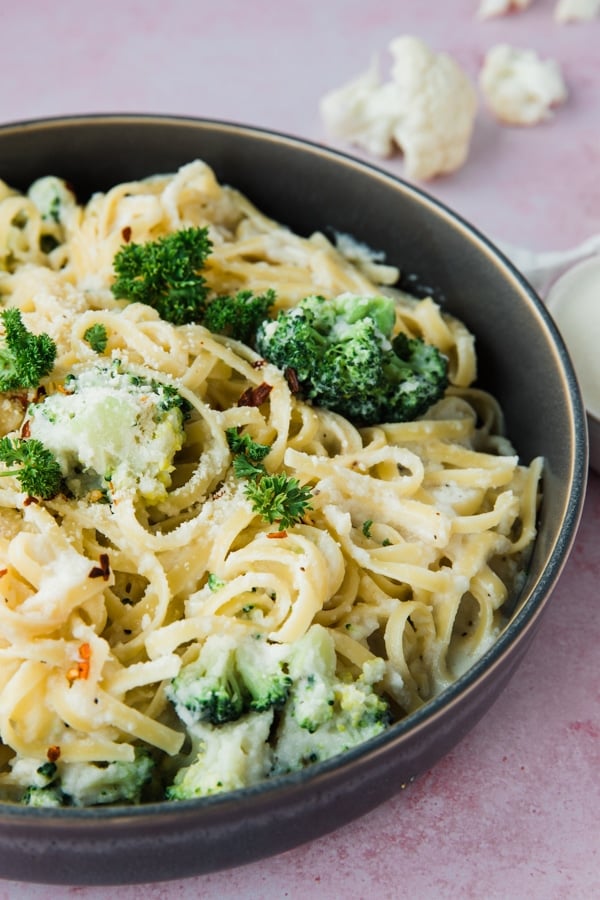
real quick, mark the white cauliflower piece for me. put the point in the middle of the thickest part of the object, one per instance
(353, 113)
(576, 10)
(519, 87)
(113, 431)
(427, 109)
(488, 9)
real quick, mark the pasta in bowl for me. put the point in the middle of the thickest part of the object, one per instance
(235, 567)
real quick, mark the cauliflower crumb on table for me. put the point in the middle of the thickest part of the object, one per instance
(576, 10)
(521, 88)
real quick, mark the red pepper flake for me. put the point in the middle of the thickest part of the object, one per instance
(126, 234)
(103, 570)
(26, 429)
(255, 396)
(277, 534)
(259, 363)
(3, 572)
(81, 669)
(291, 376)
(53, 753)
(29, 500)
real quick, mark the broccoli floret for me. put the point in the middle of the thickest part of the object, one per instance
(94, 784)
(238, 316)
(112, 431)
(45, 790)
(262, 667)
(325, 714)
(279, 708)
(49, 796)
(210, 688)
(24, 357)
(89, 783)
(344, 358)
(164, 274)
(312, 668)
(225, 757)
(230, 678)
(419, 372)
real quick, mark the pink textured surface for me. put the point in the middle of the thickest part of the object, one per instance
(514, 810)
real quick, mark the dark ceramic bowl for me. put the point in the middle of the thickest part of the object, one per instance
(308, 187)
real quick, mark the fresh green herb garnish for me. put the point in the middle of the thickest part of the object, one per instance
(366, 529)
(24, 357)
(165, 274)
(97, 337)
(279, 498)
(171, 398)
(37, 469)
(243, 444)
(214, 582)
(245, 468)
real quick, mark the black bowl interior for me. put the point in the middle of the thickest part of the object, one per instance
(522, 361)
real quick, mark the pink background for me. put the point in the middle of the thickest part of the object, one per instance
(513, 811)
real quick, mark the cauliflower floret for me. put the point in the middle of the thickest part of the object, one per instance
(352, 112)
(576, 10)
(427, 109)
(519, 87)
(490, 8)
(112, 431)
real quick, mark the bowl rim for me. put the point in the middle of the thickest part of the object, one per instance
(521, 623)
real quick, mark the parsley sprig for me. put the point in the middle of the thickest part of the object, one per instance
(97, 337)
(277, 498)
(165, 274)
(37, 469)
(24, 357)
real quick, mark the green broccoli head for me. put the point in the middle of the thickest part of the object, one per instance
(94, 784)
(226, 757)
(49, 796)
(326, 714)
(90, 783)
(238, 316)
(263, 668)
(344, 359)
(210, 688)
(312, 667)
(230, 678)
(253, 709)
